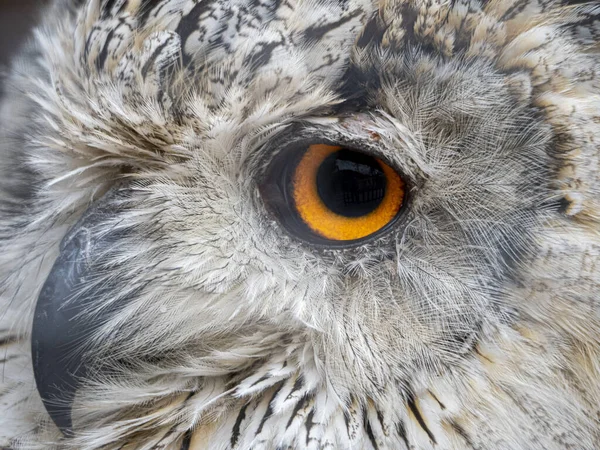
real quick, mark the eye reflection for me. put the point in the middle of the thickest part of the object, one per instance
(351, 184)
(335, 193)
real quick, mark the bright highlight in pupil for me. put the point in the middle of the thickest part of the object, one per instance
(343, 194)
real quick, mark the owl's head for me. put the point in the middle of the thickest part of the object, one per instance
(312, 224)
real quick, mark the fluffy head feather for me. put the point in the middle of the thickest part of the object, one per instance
(472, 323)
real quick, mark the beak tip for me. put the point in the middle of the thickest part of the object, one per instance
(59, 328)
(56, 333)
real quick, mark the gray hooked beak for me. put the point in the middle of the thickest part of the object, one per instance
(59, 329)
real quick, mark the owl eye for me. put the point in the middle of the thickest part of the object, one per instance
(329, 193)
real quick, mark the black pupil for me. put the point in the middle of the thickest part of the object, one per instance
(350, 183)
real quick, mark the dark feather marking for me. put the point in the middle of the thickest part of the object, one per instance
(437, 400)
(563, 205)
(104, 52)
(462, 433)
(262, 55)
(575, 2)
(409, 18)
(168, 434)
(123, 6)
(297, 408)
(106, 9)
(463, 37)
(235, 433)
(7, 340)
(297, 386)
(308, 423)
(347, 421)
(413, 407)
(316, 33)
(148, 64)
(269, 411)
(401, 430)
(144, 11)
(371, 435)
(372, 33)
(514, 10)
(382, 422)
(482, 355)
(261, 379)
(88, 42)
(189, 24)
(355, 86)
(587, 22)
(187, 440)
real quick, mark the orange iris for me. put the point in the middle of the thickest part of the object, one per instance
(329, 224)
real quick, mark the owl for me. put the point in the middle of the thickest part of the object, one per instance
(302, 224)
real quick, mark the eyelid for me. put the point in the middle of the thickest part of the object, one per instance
(291, 146)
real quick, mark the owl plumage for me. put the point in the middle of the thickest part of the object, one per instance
(146, 127)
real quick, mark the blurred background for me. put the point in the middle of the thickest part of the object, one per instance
(16, 20)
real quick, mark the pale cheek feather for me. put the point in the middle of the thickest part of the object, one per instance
(474, 325)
